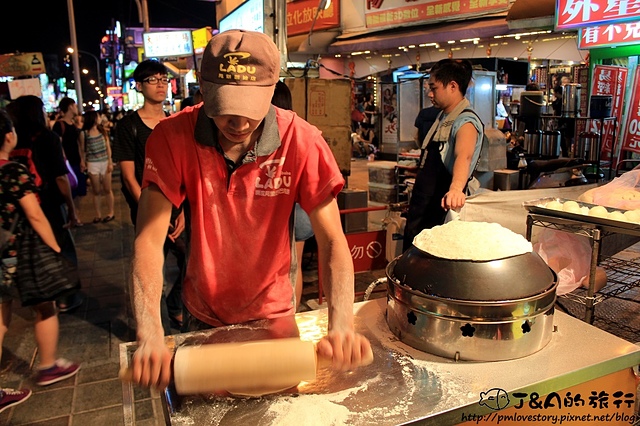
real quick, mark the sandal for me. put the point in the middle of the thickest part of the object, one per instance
(108, 218)
(97, 220)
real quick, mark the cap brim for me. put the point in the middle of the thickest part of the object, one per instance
(229, 99)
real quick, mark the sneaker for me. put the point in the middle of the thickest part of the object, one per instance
(61, 370)
(11, 397)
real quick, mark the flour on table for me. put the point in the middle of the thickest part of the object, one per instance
(476, 241)
(308, 410)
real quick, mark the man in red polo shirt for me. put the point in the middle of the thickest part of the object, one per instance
(242, 164)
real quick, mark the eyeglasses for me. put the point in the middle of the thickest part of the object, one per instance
(156, 80)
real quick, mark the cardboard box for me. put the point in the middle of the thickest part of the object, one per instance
(326, 104)
(339, 140)
(322, 102)
(382, 172)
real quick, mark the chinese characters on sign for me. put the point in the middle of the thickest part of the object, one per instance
(394, 12)
(300, 15)
(583, 13)
(609, 35)
(609, 80)
(367, 250)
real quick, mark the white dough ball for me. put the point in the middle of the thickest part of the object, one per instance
(571, 207)
(616, 215)
(554, 205)
(598, 211)
(632, 216)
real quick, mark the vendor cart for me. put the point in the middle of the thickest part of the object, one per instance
(581, 368)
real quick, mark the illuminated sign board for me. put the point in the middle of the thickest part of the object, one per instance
(392, 13)
(585, 13)
(302, 13)
(248, 16)
(21, 64)
(609, 35)
(167, 44)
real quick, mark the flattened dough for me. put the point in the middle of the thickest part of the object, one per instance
(477, 241)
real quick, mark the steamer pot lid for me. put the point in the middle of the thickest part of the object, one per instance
(502, 279)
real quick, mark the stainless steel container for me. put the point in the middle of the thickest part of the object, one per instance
(454, 309)
(587, 146)
(532, 140)
(551, 143)
(571, 99)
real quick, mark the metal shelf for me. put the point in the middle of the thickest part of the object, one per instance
(623, 276)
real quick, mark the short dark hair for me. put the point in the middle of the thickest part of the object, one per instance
(282, 96)
(147, 68)
(65, 103)
(27, 113)
(459, 70)
(532, 87)
(6, 124)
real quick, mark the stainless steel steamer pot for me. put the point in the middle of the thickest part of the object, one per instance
(474, 311)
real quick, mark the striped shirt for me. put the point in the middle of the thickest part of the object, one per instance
(95, 148)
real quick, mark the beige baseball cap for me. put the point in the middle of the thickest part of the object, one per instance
(238, 74)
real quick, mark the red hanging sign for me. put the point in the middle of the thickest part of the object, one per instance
(612, 81)
(631, 136)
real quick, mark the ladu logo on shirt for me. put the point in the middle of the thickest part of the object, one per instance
(235, 70)
(273, 180)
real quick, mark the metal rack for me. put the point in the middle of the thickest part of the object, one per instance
(602, 120)
(622, 275)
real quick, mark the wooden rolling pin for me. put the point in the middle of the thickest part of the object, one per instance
(262, 366)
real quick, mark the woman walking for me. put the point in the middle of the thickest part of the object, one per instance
(97, 149)
(18, 202)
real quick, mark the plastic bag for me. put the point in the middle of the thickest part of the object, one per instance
(622, 192)
(569, 256)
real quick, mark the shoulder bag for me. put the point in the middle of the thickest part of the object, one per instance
(71, 175)
(42, 274)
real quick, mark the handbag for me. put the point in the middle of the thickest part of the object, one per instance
(42, 274)
(71, 175)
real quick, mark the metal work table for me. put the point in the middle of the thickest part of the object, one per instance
(403, 385)
(596, 233)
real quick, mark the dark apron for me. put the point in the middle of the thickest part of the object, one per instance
(432, 183)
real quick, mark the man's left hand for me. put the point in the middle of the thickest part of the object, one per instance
(453, 200)
(178, 227)
(346, 350)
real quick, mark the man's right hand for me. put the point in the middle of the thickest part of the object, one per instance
(151, 364)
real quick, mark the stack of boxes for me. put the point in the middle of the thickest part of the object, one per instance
(383, 185)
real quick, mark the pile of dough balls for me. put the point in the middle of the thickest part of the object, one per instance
(571, 206)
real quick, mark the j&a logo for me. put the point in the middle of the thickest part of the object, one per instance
(235, 70)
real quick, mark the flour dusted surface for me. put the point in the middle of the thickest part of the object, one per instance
(477, 241)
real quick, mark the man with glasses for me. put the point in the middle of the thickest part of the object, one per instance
(152, 82)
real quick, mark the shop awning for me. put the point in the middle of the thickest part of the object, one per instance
(440, 33)
(531, 14)
(316, 44)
